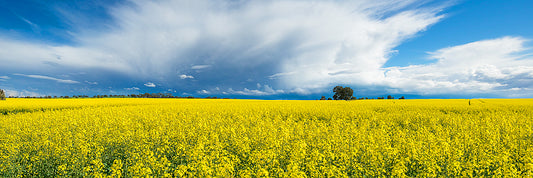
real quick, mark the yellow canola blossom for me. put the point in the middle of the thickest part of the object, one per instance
(253, 138)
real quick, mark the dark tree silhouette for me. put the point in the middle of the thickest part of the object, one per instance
(323, 98)
(342, 93)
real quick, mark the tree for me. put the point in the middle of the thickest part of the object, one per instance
(323, 98)
(342, 93)
(2, 95)
(390, 97)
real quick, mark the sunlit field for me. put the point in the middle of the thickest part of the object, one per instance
(243, 138)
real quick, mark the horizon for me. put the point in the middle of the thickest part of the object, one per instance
(289, 50)
(241, 97)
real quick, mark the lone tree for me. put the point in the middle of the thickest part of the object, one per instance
(2, 95)
(342, 93)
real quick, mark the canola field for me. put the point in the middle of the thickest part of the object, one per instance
(253, 138)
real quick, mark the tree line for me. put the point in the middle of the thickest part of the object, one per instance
(346, 93)
(341, 93)
(145, 95)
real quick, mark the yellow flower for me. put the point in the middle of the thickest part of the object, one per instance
(136, 137)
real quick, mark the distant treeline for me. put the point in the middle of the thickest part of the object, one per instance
(145, 95)
(346, 93)
(367, 98)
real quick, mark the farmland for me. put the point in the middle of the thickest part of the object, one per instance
(257, 138)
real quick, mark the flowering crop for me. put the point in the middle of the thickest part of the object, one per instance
(254, 138)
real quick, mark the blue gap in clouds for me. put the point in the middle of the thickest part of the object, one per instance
(52, 21)
(16, 16)
(466, 22)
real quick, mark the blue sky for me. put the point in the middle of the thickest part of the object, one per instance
(267, 49)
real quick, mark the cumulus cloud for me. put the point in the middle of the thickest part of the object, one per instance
(49, 78)
(203, 92)
(488, 66)
(183, 76)
(150, 84)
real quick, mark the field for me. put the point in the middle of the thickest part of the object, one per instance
(255, 138)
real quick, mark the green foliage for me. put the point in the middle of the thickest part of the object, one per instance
(2, 95)
(342, 93)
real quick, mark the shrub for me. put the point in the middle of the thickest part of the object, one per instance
(2, 95)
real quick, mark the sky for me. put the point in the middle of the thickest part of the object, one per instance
(278, 49)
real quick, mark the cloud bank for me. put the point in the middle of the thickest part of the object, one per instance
(490, 66)
(289, 46)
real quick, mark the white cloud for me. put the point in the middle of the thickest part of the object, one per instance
(91, 83)
(49, 78)
(203, 92)
(197, 67)
(150, 84)
(132, 88)
(308, 39)
(183, 76)
(46, 58)
(21, 93)
(4, 78)
(261, 91)
(488, 66)
(355, 56)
